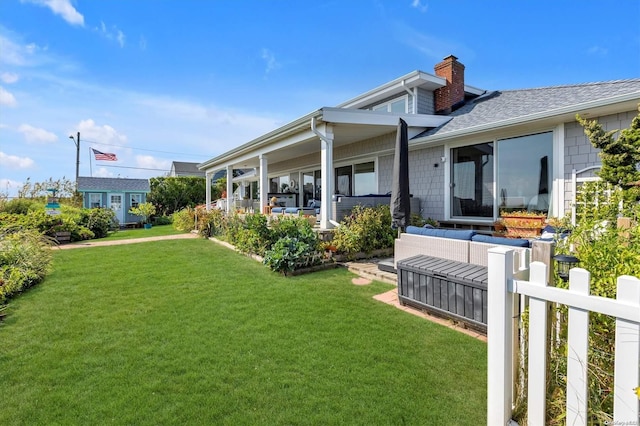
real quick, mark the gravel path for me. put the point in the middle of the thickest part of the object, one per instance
(92, 243)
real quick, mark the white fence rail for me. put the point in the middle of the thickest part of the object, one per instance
(503, 293)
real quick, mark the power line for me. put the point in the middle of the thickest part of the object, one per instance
(143, 149)
(137, 168)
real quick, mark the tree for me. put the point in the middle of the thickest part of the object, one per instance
(145, 210)
(171, 194)
(620, 157)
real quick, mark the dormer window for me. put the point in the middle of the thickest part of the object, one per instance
(396, 106)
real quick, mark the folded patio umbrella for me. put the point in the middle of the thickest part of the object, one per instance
(400, 201)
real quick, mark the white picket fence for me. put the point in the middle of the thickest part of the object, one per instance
(505, 287)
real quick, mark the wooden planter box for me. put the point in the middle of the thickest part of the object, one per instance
(523, 226)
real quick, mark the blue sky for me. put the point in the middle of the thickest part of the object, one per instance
(156, 81)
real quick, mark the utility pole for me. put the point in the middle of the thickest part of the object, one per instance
(77, 142)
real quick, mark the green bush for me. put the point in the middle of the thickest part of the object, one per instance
(295, 245)
(254, 237)
(162, 220)
(607, 253)
(100, 221)
(184, 220)
(25, 258)
(21, 206)
(364, 230)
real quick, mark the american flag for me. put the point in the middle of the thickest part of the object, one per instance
(105, 156)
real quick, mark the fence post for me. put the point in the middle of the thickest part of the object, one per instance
(499, 336)
(538, 332)
(578, 345)
(627, 374)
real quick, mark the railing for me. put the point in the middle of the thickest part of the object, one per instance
(505, 290)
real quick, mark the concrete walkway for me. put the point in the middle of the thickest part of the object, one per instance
(98, 243)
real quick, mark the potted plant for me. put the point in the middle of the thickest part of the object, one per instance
(523, 223)
(145, 210)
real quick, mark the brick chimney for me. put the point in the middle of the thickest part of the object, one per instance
(453, 93)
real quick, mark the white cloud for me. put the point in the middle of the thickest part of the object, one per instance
(105, 134)
(150, 162)
(34, 134)
(598, 50)
(112, 33)
(64, 8)
(417, 4)
(9, 77)
(6, 98)
(8, 186)
(435, 48)
(15, 162)
(103, 172)
(270, 60)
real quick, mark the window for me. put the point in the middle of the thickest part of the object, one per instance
(357, 179)
(136, 199)
(522, 176)
(397, 106)
(343, 180)
(364, 178)
(279, 184)
(472, 181)
(524, 172)
(95, 200)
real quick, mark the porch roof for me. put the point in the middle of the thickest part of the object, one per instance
(297, 139)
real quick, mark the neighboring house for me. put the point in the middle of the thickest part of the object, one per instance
(118, 194)
(180, 168)
(472, 153)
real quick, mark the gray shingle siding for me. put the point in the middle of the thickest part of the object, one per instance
(425, 102)
(579, 153)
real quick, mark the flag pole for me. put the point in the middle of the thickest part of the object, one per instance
(90, 164)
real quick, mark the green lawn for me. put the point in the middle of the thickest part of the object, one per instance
(188, 332)
(141, 233)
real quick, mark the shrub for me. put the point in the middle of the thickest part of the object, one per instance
(184, 220)
(25, 257)
(21, 206)
(295, 245)
(100, 222)
(607, 253)
(162, 220)
(364, 230)
(254, 237)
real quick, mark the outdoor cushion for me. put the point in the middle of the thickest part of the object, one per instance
(277, 210)
(454, 234)
(292, 210)
(516, 242)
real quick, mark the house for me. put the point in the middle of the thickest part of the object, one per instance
(118, 194)
(181, 168)
(472, 152)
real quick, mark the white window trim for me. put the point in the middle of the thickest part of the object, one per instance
(352, 163)
(557, 207)
(391, 101)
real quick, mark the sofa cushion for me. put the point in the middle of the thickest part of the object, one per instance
(454, 234)
(516, 242)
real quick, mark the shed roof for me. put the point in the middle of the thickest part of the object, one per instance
(112, 184)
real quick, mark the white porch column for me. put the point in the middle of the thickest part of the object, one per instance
(264, 182)
(301, 189)
(207, 176)
(229, 188)
(327, 184)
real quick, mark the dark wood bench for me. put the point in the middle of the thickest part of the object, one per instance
(447, 288)
(63, 237)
